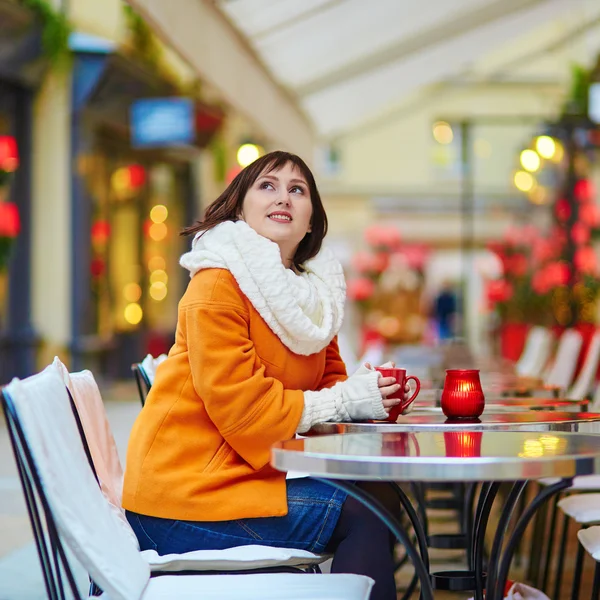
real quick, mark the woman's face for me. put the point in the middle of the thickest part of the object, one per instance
(278, 207)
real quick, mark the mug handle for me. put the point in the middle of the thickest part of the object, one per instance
(418, 386)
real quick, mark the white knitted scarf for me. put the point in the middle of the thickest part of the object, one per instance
(304, 310)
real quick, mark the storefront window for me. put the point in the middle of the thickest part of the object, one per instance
(139, 207)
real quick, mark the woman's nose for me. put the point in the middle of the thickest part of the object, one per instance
(283, 198)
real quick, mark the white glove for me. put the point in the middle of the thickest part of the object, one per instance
(357, 398)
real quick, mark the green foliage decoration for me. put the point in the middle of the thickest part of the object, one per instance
(56, 30)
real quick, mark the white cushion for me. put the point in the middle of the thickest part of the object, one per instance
(590, 540)
(232, 559)
(267, 586)
(584, 508)
(90, 408)
(583, 482)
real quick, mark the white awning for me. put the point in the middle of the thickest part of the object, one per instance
(347, 61)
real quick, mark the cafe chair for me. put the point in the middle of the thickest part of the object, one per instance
(563, 367)
(98, 442)
(583, 508)
(584, 384)
(68, 512)
(536, 353)
(589, 539)
(144, 374)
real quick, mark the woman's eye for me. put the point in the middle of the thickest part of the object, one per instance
(265, 185)
(297, 190)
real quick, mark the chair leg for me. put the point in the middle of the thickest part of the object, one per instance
(577, 573)
(550, 547)
(535, 554)
(522, 506)
(561, 558)
(596, 588)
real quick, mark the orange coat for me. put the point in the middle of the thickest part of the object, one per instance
(200, 448)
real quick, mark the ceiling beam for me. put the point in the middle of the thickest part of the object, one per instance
(215, 50)
(304, 16)
(461, 24)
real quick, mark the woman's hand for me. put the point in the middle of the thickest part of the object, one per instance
(387, 387)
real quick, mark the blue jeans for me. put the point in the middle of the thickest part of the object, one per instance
(313, 512)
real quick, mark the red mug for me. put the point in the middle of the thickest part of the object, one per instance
(400, 376)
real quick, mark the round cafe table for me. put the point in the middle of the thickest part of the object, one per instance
(449, 456)
(489, 421)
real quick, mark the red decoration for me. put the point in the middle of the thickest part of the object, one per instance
(97, 267)
(10, 223)
(498, 290)
(462, 396)
(383, 236)
(589, 214)
(585, 260)
(360, 289)
(563, 210)
(9, 154)
(584, 190)
(100, 232)
(580, 234)
(232, 173)
(137, 176)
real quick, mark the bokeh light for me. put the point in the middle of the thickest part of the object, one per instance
(159, 276)
(133, 313)
(158, 291)
(158, 231)
(159, 213)
(545, 146)
(530, 160)
(247, 154)
(442, 132)
(524, 181)
(132, 292)
(157, 263)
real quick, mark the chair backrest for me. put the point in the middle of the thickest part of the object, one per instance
(97, 436)
(536, 352)
(144, 373)
(565, 362)
(47, 440)
(584, 383)
(595, 403)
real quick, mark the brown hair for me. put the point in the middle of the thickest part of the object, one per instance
(228, 206)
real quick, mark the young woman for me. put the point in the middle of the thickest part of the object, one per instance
(255, 361)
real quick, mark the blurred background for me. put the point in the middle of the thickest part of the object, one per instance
(455, 143)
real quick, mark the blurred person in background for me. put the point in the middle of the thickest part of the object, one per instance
(445, 311)
(256, 361)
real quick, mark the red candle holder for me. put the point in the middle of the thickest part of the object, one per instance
(463, 444)
(462, 396)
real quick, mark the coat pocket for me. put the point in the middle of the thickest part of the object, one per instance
(219, 458)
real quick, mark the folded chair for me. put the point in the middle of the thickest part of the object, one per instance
(97, 437)
(538, 346)
(584, 384)
(565, 362)
(68, 510)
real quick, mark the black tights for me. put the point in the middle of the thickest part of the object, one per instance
(362, 544)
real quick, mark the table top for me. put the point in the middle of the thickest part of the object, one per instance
(582, 422)
(445, 456)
